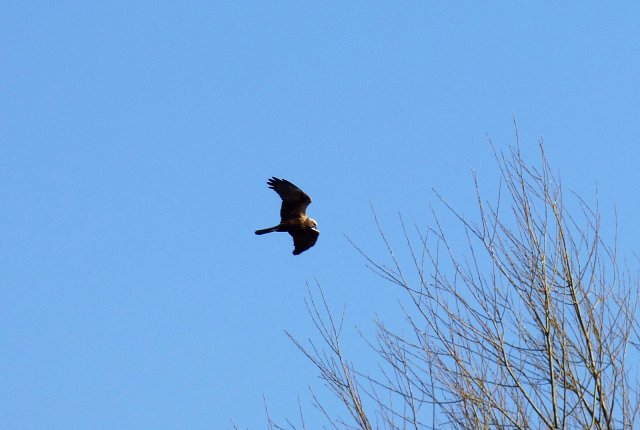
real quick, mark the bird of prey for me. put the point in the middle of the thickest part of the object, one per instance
(293, 215)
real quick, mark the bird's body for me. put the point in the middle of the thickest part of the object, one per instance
(293, 217)
(298, 224)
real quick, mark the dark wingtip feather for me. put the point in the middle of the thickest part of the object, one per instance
(272, 181)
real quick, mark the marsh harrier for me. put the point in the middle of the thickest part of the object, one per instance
(293, 215)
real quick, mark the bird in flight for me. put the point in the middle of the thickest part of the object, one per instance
(293, 215)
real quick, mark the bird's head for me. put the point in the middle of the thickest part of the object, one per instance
(313, 224)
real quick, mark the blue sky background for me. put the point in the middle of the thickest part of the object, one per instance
(136, 139)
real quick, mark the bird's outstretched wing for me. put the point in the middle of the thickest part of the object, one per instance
(294, 200)
(304, 239)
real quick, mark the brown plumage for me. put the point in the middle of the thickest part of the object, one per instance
(293, 215)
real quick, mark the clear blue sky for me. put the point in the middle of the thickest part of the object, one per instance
(136, 139)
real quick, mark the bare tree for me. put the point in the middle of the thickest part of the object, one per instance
(530, 323)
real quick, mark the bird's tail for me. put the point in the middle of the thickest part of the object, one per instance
(267, 230)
